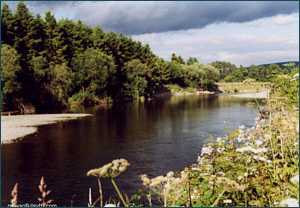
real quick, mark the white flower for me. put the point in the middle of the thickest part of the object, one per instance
(221, 173)
(249, 160)
(255, 157)
(192, 197)
(269, 161)
(240, 178)
(220, 141)
(296, 143)
(275, 203)
(244, 149)
(170, 174)
(290, 203)
(295, 179)
(206, 150)
(257, 119)
(262, 159)
(296, 75)
(258, 142)
(193, 168)
(227, 201)
(110, 205)
(246, 174)
(219, 150)
(195, 191)
(242, 127)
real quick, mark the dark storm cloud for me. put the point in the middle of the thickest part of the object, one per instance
(148, 17)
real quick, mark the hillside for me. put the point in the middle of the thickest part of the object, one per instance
(280, 64)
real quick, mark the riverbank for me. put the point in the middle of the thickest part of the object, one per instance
(19, 126)
(261, 94)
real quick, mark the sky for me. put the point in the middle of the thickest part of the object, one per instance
(239, 32)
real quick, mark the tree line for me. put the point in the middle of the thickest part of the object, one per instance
(230, 73)
(49, 63)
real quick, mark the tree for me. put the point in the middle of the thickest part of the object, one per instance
(176, 73)
(94, 74)
(136, 78)
(7, 25)
(173, 57)
(180, 60)
(191, 60)
(10, 66)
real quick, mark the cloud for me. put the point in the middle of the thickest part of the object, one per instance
(240, 49)
(285, 20)
(140, 17)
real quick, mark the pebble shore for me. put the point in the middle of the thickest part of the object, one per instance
(18, 126)
(263, 94)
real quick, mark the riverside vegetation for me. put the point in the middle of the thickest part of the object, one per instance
(254, 167)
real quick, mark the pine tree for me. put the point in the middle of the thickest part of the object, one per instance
(7, 25)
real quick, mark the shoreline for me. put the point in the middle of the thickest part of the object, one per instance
(18, 126)
(260, 94)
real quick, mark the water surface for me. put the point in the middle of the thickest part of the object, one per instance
(155, 136)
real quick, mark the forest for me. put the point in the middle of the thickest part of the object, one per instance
(48, 64)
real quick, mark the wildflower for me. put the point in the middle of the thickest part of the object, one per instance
(258, 142)
(242, 127)
(262, 159)
(296, 144)
(192, 197)
(246, 174)
(227, 184)
(296, 75)
(244, 149)
(195, 191)
(170, 174)
(110, 205)
(255, 157)
(227, 201)
(110, 170)
(290, 202)
(269, 161)
(240, 178)
(221, 173)
(220, 150)
(295, 179)
(220, 141)
(207, 150)
(249, 160)
(276, 203)
(257, 119)
(195, 168)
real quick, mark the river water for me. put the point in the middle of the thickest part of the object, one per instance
(156, 136)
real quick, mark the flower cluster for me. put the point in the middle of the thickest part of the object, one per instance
(110, 170)
(166, 185)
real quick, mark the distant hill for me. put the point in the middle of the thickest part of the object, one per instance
(280, 64)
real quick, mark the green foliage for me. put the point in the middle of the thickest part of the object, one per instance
(10, 67)
(94, 73)
(136, 78)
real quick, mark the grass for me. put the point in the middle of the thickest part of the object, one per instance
(240, 86)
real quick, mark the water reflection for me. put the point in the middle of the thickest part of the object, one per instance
(155, 136)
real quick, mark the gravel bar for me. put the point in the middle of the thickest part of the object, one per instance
(253, 95)
(18, 126)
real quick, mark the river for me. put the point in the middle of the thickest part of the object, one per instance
(156, 136)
